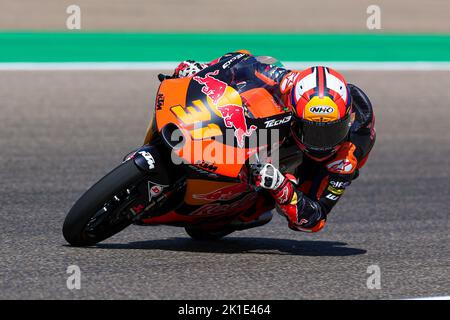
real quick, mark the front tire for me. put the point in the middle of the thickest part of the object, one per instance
(92, 202)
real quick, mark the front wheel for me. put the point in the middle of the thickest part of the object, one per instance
(102, 211)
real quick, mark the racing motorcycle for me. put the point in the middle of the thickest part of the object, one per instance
(194, 168)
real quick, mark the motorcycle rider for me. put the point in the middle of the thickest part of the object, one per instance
(333, 125)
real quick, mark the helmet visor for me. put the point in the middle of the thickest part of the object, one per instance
(322, 136)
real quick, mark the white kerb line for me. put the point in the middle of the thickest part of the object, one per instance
(170, 65)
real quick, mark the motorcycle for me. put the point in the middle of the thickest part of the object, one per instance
(194, 168)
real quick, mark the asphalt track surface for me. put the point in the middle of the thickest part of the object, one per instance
(61, 131)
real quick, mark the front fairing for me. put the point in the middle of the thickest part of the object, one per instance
(221, 111)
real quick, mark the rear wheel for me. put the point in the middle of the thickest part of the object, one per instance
(102, 211)
(207, 235)
(202, 234)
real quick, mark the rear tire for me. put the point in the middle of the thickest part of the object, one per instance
(74, 229)
(207, 235)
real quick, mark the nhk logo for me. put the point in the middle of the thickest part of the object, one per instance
(321, 109)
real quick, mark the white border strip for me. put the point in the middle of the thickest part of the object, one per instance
(432, 298)
(170, 65)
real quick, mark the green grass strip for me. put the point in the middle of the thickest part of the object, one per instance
(142, 47)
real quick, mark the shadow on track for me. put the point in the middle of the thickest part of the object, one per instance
(243, 245)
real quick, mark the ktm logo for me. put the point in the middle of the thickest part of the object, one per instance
(159, 101)
(321, 110)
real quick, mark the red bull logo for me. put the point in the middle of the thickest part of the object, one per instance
(225, 193)
(220, 209)
(233, 116)
(212, 87)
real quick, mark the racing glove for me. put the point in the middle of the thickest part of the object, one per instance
(188, 68)
(302, 213)
(267, 176)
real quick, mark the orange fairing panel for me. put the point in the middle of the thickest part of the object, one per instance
(261, 103)
(172, 92)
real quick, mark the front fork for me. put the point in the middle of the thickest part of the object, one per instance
(163, 182)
